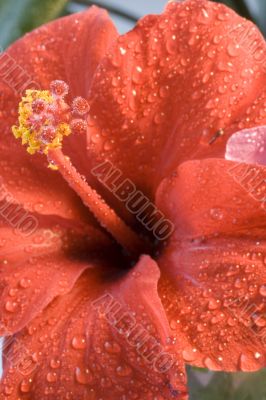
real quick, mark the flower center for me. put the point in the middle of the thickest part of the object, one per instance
(45, 119)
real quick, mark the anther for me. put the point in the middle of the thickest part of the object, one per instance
(78, 126)
(38, 106)
(59, 88)
(80, 106)
(45, 118)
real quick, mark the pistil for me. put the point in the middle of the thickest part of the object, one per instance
(106, 216)
(44, 119)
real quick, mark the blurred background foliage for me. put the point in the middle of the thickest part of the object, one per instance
(205, 385)
(20, 16)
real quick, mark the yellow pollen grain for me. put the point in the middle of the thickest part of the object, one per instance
(25, 131)
(52, 166)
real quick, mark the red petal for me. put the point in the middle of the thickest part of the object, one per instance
(248, 146)
(45, 261)
(215, 277)
(168, 86)
(82, 345)
(69, 49)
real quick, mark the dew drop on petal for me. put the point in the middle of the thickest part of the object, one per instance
(25, 385)
(51, 377)
(123, 370)
(210, 364)
(8, 390)
(189, 355)
(55, 363)
(24, 283)
(216, 214)
(79, 342)
(83, 376)
(112, 347)
(11, 306)
(244, 363)
(262, 290)
(233, 49)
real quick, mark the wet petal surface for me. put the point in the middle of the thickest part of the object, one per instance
(63, 50)
(213, 285)
(170, 85)
(44, 262)
(97, 343)
(248, 146)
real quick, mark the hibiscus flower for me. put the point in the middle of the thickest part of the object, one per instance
(93, 305)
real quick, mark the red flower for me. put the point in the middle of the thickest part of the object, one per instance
(82, 318)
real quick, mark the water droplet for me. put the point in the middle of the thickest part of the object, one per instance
(205, 78)
(25, 385)
(122, 51)
(112, 347)
(262, 290)
(13, 292)
(55, 363)
(210, 364)
(213, 304)
(11, 306)
(233, 49)
(260, 321)
(8, 390)
(38, 207)
(124, 370)
(244, 363)
(108, 145)
(24, 283)
(83, 376)
(189, 354)
(106, 382)
(216, 214)
(203, 17)
(159, 118)
(115, 57)
(171, 45)
(137, 76)
(79, 342)
(51, 377)
(164, 91)
(257, 355)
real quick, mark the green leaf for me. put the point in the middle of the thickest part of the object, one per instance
(219, 386)
(226, 386)
(252, 386)
(19, 17)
